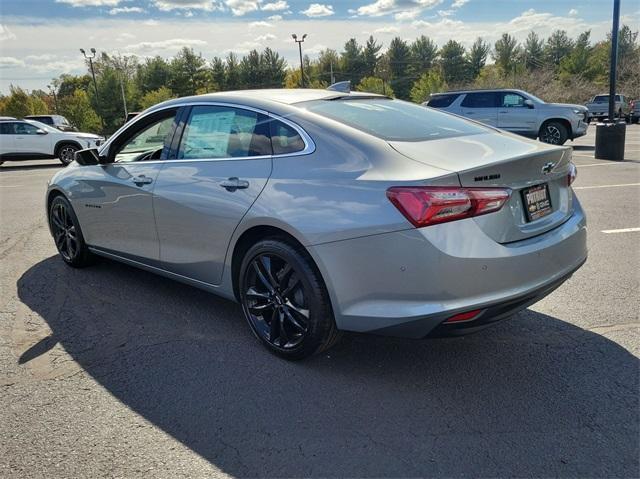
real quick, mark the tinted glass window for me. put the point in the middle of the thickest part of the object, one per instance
(442, 101)
(601, 99)
(285, 139)
(7, 128)
(147, 142)
(480, 100)
(26, 129)
(510, 100)
(223, 132)
(393, 119)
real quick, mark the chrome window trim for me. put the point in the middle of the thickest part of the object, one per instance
(309, 144)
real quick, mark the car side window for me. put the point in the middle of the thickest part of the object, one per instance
(285, 139)
(214, 132)
(26, 129)
(7, 128)
(442, 101)
(512, 100)
(480, 100)
(148, 143)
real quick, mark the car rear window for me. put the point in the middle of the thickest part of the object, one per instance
(393, 120)
(441, 101)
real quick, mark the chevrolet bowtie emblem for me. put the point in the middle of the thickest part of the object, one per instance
(548, 168)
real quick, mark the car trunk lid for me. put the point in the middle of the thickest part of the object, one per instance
(532, 170)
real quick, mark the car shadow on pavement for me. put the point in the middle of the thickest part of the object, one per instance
(534, 396)
(584, 147)
(18, 167)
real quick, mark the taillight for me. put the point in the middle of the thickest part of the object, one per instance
(573, 173)
(466, 316)
(428, 205)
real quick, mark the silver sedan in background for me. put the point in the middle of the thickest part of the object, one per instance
(322, 211)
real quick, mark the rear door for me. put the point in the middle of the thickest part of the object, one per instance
(514, 115)
(481, 106)
(223, 162)
(7, 133)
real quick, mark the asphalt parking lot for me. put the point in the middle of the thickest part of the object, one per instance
(114, 372)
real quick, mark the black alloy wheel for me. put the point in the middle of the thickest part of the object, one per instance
(66, 153)
(67, 234)
(285, 301)
(554, 133)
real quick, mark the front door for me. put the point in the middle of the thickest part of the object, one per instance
(29, 139)
(114, 202)
(481, 106)
(516, 116)
(222, 165)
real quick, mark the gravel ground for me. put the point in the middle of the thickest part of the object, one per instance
(113, 372)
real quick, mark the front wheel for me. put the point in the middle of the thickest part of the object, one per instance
(554, 133)
(66, 153)
(285, 301)
(67, 234)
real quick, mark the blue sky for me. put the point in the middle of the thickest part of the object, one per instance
(39, 39)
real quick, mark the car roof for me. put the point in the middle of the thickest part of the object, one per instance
(480, 90)
(258, 98)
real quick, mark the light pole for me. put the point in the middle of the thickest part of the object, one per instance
(300, 42)
(52, 91)
(95, 84)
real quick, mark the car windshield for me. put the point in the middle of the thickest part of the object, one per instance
(43, 126)
(393, 120)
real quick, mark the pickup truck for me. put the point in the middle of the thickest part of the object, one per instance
(635, 111)
(599, 107)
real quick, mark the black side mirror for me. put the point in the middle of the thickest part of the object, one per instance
(87, 157)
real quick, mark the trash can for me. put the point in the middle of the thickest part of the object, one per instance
(610, 141)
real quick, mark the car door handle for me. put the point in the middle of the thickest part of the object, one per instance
(234, 183)
(142, 180)
(503, 111)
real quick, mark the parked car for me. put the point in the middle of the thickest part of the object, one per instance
(31, 140)
(635, 111)
(56, 121)
(321, 211)
(516, 111)
(599, 107)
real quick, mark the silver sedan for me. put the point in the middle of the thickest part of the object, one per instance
(323, 212)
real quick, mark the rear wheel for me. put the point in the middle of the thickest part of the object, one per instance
(67, 234)
(554, 133)
(66, 153)
(284, 300)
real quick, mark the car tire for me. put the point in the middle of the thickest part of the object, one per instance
(554, 133)
(285, 301)
(67, 234)
(65, 152)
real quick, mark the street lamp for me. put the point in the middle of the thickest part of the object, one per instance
(52, 91)
(95, 84)
(299, 42)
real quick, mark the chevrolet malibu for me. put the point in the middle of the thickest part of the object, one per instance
(321, 212)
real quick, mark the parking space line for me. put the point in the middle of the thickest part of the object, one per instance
(623, 230)
(604, 186)
(618, 163)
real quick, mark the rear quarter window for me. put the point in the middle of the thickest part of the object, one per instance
(394, 120)
(441, 101)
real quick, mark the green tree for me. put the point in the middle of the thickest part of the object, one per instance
(398, 59)
(430, 82)
(218, 73)
(327, 61)
(152, 74)
(374, 85)
(156, 96)
(578, 62)
(506, 53)
(274, 69)
(189, 73)
(533, 52)
(558, 46)
(68, 84)
(352, 61)
(233, 72)
(477, 57)
(423, 55)
(77, 109)
(251, 70)
(455, 69)
(18, 103)
(370, 56)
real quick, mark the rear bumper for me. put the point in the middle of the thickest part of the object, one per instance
(407, 283)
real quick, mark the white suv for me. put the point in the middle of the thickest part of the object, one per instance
(32, 140)
(518, 112)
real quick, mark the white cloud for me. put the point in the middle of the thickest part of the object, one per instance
(315, 49)
(92, 3)
(260, 24)
(275, 18)
(11, 62)
(275, 6)
(266, 37)
(318, 10)
(458, 3)
(386, 7)
(172, 44)
(242, 7)
(407, 15)
(169, 5)
(445, 13)
(117, 10)
(188, 14)
(124, 36)
(385, 30)
(5, 33)
(573, 12)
